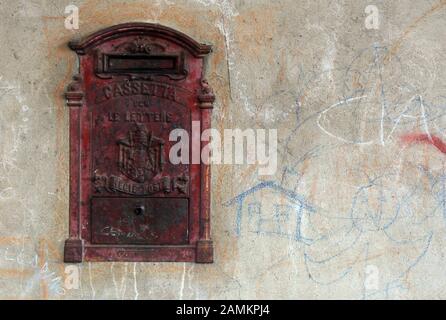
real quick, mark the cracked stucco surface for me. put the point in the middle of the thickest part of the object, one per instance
(354, 211)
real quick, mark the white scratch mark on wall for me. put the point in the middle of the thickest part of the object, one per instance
(423, 115)
(328, 61)
(340, 103)
(123, 281)
(228, 12)
(115, 284)
(93, 292)
(121, 288)
(189, 278)
(183, 277)
(135, 282)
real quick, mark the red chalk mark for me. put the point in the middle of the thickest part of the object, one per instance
(425, 138)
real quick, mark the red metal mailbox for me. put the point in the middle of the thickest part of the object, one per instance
(137, 82)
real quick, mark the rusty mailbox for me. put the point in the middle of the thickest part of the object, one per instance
(137, 82)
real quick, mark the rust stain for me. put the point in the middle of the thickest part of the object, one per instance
(42, 260)
(16, 273)
(14, 240)
(397, 45)
(248, 172)
(254, 36)
(313, 190)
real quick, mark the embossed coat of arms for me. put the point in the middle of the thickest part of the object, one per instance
(140, 155)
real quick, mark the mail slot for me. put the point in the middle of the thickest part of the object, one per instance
(148, 221)
(142, 64)
(137, 83)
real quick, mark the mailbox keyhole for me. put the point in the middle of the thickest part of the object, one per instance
(139, 210)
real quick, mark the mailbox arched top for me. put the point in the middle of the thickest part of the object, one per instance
(141, 28)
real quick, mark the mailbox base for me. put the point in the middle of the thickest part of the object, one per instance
(202, 252)
(76, 251)
(73, 251)
(205, 251)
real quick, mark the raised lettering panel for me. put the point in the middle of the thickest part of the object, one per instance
(131, 141)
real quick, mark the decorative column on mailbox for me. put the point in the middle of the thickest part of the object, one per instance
(128, 202)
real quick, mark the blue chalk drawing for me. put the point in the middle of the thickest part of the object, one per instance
(282, 216)
(378, 210)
